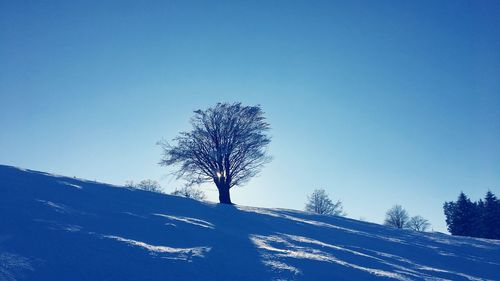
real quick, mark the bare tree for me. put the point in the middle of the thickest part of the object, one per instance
(396, 217)
(189, 192)
(418, 223)
(148, 185)
(319, 202)
(227, 145)
(129, 184)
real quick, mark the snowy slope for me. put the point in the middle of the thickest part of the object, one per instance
(58, 228)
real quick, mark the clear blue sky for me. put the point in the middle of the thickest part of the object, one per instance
(378, 102)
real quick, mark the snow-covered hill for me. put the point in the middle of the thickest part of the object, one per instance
(58, 228)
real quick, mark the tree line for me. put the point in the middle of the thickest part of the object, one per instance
(476, 219)
(398, 217)
(320, 203)
(154, 186)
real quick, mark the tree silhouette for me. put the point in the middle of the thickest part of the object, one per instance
(475, 219)
(396, 217)
(418, 223)
(490, 219)
(227, 145)
(148, 185)
(319, 202)
(189, 192)
(462, 217)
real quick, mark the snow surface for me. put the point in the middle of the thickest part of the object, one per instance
(59, 228)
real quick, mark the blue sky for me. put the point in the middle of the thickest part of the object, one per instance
(378, 102)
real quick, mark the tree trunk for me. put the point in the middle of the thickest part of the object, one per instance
(224, 196)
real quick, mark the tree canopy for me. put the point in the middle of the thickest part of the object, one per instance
(227, 145)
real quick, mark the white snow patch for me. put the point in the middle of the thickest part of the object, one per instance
(290, 250)
(72, 228)
(468, 241)
(134, 215)
(469, 277)
(23, 169)
(420, 267)
(188, 220)
(54, 225)
(12, 266)
(70, 184)
(280, 266)
(185, 254)
(60, 208)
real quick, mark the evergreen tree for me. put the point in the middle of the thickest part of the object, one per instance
(449, 213)
(461, 216)
(490, 219)
(480, 220)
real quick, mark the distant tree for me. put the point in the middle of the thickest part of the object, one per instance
(129, 184)
(189, 192)
(462, 216)
(418, 223)
(319, 202)
(226, 145)
(396, 217)
(147, 185)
